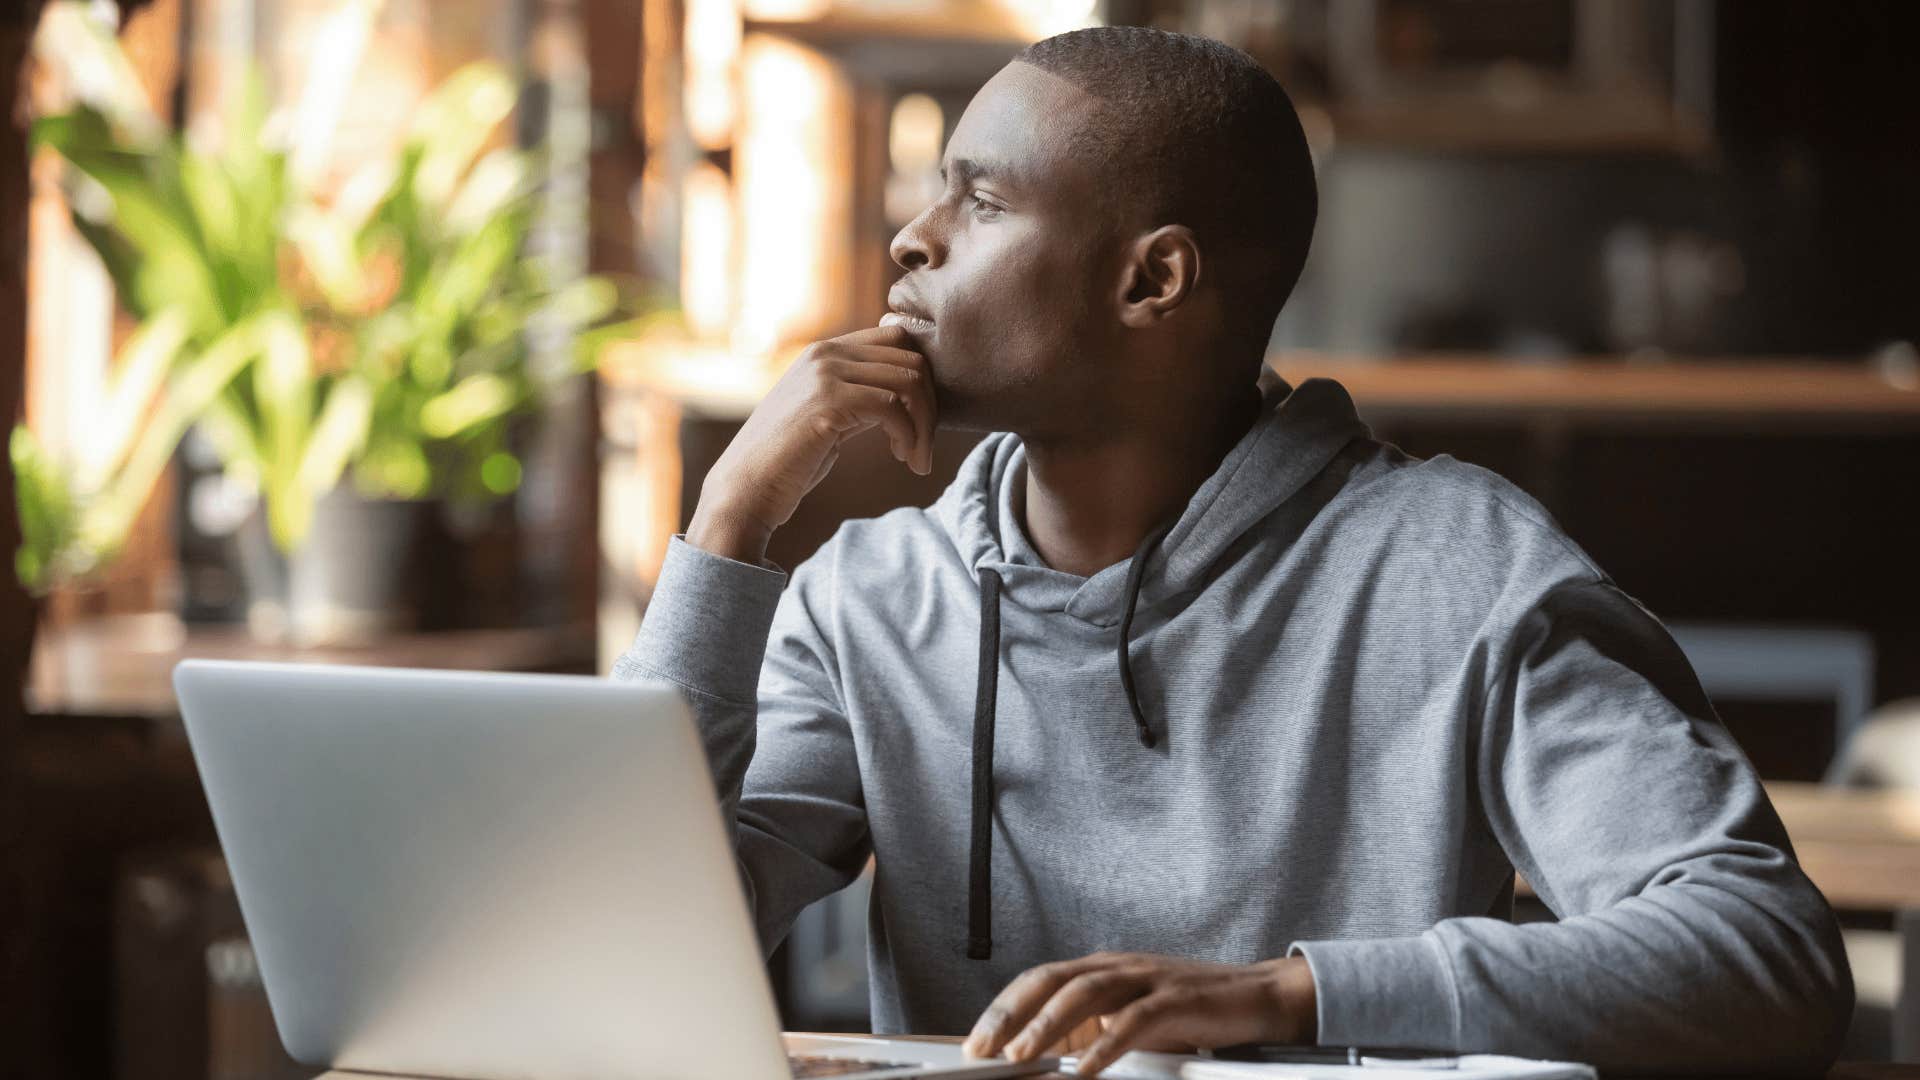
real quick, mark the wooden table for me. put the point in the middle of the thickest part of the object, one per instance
(1842, 1071)
(1862, 848)
(122, 665)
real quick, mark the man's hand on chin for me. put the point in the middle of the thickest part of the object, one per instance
(1147, 1002)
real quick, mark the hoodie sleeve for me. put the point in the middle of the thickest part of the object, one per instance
(1688, 937)
(756, 668)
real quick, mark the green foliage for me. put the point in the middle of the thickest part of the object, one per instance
(46, 513)
(387, 335)
(434, 287)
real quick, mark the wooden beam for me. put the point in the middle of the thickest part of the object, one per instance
(16, 608)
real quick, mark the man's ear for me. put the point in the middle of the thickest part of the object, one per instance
(1160, 274)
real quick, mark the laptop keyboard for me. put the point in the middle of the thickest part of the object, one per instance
(806, 1065)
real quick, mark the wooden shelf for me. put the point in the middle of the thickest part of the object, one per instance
(1469, 388)
(970, 21)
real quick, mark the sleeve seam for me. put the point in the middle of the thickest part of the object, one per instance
(1548, 528)
(645, 668)
(1513, 645)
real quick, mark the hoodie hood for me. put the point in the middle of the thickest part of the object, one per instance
(1298, 432)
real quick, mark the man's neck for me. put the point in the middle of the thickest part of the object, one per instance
(1088, 504)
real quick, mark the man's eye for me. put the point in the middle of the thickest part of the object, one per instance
(982, 208)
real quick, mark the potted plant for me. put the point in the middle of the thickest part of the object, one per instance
(351, 358)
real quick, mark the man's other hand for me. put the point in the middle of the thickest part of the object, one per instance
(835, 390)
(1147, 1002)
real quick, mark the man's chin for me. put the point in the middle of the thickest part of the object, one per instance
(961, 411)
(969, 424)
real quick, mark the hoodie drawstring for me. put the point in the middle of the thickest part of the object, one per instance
(1134, 574)
(980, 859)
(980, 864)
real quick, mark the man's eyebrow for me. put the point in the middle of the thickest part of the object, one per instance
(967, 170)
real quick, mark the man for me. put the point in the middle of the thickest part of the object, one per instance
(1189, 706)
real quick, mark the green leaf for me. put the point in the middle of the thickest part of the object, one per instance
(431, 364)
(196, 384)
(326, 249)
(474, 400)
(283, 390)
(244, 121)
(591, 345)
(30, 569)
(395, 468)
(225, 233)
(454, 123)
(228, 428)
(120, 258)
(83, 52)
(499, 181)
(46, 511)
(583, 302)
(396, 225)
(147, 206)
(257, 174)
(339, 433)
(365, 193)
(145, 360)
(476, 266)
(342, 39)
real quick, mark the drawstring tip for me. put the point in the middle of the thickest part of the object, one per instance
(1135, 575)
(979, 948)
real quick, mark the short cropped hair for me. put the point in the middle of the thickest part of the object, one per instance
(1199, 134)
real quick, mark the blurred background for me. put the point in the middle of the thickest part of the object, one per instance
(404, 331)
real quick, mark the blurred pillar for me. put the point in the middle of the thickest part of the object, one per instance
(583, 70)
(16, 610)
(553, 115)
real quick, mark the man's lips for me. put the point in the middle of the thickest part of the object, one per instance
(912, 324)
(906, 313)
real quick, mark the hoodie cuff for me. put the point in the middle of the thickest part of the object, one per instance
(1391, 992)
(706, 624)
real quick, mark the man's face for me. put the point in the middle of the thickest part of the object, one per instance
(1008, 273)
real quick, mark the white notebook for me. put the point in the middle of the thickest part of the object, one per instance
(1142, 1065)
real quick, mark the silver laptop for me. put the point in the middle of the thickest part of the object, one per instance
(497, 876)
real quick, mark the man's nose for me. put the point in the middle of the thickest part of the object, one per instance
(918, 244)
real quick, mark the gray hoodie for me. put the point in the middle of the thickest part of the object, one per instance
(1327, 713)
